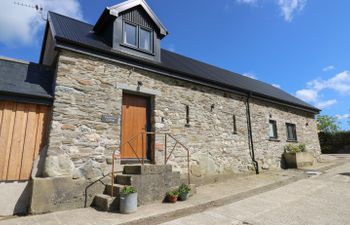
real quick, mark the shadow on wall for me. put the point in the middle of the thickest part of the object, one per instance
(283, 162)
(14, 198)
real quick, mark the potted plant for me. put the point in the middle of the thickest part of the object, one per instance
(296, 156)
(172, 195)
(128, 200)
(184, 192)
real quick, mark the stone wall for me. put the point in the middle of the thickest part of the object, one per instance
(269, 152)
(87, 88)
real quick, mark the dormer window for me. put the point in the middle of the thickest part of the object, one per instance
(136, 36)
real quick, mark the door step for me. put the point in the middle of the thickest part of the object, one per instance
(104, 202)
(147, 169)
(151, 182)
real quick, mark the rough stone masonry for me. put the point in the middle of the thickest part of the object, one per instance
(81, 144)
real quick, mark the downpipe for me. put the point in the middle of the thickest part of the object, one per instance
(250, 135)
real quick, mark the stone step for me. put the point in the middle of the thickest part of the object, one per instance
(104, 202)
(147, 169)
(116, 189)
(123, 179)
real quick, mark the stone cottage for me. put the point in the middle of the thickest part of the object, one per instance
(119, 98)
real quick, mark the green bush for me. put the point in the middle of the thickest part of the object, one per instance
(334, 142)
(173, 193)
(292, 148)
(184, 188)
(128, 190)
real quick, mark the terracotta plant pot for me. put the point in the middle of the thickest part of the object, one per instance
(172, 198)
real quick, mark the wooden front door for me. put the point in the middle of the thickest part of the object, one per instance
(135, 119)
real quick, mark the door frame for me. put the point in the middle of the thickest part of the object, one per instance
(150, 127)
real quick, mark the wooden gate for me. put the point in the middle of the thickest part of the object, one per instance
(22, 133)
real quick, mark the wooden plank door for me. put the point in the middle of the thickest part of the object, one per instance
(134, 121)
(22, 136)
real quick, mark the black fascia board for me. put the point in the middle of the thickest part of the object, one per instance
(25, 98)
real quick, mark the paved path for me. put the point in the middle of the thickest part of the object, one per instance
(271, 198)
(322, 199)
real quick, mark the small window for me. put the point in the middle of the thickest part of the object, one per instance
(273, 129)
(234, 124)
(129, 34)
(291, 132)
(145, 40)
(187, 116)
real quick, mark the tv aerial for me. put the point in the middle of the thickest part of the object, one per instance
(37, 7)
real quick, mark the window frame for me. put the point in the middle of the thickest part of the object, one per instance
(136, 34)
(294, 130)
(275, 131)
(137, 37)
(151, 38)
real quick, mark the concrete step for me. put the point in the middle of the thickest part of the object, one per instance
(147, 169)
(104, 202)
(116, 189)
(123, 179)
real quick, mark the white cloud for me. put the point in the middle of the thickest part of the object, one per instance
(328, 68)
(343, 116)
(250, 75)
(276, 85)
(290, 7)
(308, 95)
(339, 83)
(20, 25)
(326, 104)
(248, 2)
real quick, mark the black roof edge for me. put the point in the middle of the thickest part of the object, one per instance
(25, 98)
(101, 21)
(43, 44)
(62, 43)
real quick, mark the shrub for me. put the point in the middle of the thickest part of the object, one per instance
(128, 190)
(184, 188)
(292, 148)
(173, 193)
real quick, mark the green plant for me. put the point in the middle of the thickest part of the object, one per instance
(302, 147)
(291, 148)
(184, 188)
(173, 193)
(128, 190)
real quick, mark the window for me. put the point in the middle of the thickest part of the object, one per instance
(273, 129)
(291, 132)
(137, 37)
(187, 116)
(234, 124)
(145, 39)
(130, 34)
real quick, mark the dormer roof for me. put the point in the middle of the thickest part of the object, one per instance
(116, 10)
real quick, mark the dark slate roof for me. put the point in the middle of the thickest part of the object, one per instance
(19, 78)
(79, 33)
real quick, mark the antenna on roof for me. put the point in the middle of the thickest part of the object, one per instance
(37, 7)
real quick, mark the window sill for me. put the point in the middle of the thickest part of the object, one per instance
(137, 49)
(274, 139)
(290, 140)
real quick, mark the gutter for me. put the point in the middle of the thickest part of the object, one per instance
(250, 135)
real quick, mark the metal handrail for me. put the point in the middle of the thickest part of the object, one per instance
(166, 156)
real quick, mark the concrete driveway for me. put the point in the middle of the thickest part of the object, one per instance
(322, 199)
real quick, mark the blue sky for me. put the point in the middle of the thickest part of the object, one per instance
(302, 46)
